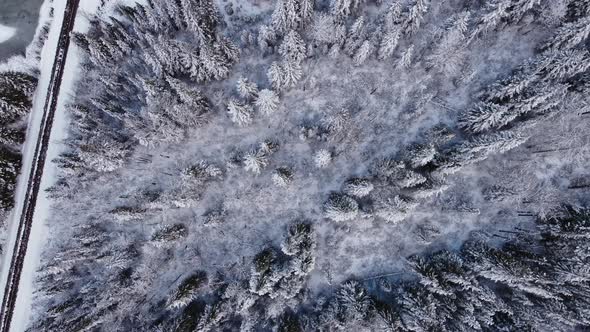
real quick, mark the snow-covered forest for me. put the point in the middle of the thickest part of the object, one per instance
(16, 90)
(301, 165)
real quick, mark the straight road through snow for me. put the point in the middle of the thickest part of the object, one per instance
(36, 173)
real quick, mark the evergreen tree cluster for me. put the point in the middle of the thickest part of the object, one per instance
(146, 70)
(537, 281)
(499, 122)
(16, 100)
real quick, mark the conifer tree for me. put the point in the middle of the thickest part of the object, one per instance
(286, 16)
(326, 31)
(187, 291)
(292, 73)
(341, 207)
(267, 101)
(388, 44)
(356, 36)
(363, 52)
(246, 89)
(266, 37)
(276, 76)
(406, 59)
(292, 48)
(343, 8)
(322, 158)
(239, 113)
(358, 187)
(415, 16)
(255, 161)
(395, 208)
(282, 176)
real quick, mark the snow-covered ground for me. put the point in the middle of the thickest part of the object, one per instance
(39, 230)
(6, 33)
(18, 25)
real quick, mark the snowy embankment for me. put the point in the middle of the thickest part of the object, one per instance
(39, 230)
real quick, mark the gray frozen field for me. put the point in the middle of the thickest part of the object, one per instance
(22, 15)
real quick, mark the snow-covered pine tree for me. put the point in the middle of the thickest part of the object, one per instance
(406, 59)
(322, 158)
(447, 55)
(415, 16)
(267, 101)
(10, 162)
(563, 64)
(240, 113)
(340, 207)
(213, 65)
(479, 147)
(200, 172)
(246, 89)
(394, 209)
(266, 37)
(456, 296)
(263, 276)
(292, 73)
(406, 178)
(393, 17)
(16, 91)
(187, 291)
(520, 8)
(485, 116)
(543, 103)
(362, 53)
(11, 136)
(540, 101)
(282, 176)
(286, 16)
(497, 11)
(357, 187)
(187, 94)
(169, 233)
(326, 31)
(502, 12)
(418, 155)
(300, 244)
(356, 36)
(276, 76)
(306, 9)
(292, 48)
(227, 50)
(343, 8)
(355, 301)
(255, 161)
(201, 17)
(578, 9)
(189, 98)
(389, 43)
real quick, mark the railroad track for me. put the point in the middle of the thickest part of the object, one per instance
(39, 159)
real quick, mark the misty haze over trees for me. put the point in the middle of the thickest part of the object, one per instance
(301, 165)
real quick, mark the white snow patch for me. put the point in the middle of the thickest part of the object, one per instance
(6, 33)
